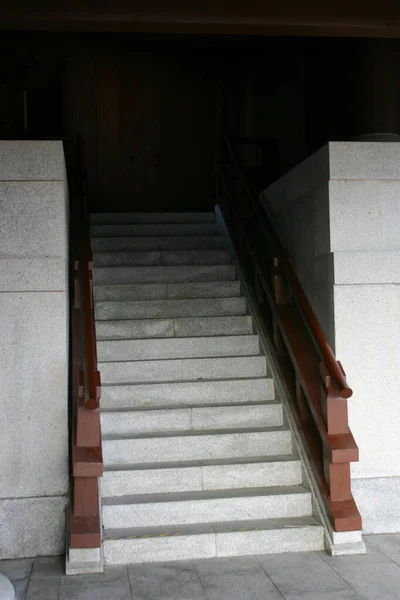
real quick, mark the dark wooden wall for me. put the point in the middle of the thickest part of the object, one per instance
(151, 109)
(150, 121)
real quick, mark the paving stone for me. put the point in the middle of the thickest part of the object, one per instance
(16, 569)
(44, 588)
(371, 580)
(49, 566)
(227, 579)
(297, 572)
(165, 582)
(387, 544)
(113, 584)
(344, 594)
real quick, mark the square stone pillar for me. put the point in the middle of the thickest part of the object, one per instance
(33, 348)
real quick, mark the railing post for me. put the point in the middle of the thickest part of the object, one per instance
(333, 406)
(335, 415)
(281, 289)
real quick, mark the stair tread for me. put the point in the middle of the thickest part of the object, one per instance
(216, 380)
(217, 527)
(191, 358)
(205, 495)
(203, 463)
(158, 217)
(154, 229)
(127, 243)
(158, 408)
(192, 433)
(172, 301)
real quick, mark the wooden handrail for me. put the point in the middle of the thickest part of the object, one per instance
(315, 385)
(299, 295)
(87, 461)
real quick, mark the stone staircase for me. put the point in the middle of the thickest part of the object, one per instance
(198, 460)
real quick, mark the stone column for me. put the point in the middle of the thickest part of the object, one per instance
(33, 348)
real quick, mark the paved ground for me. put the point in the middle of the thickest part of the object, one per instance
(308, 576)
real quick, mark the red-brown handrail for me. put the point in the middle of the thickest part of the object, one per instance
(87, 460)
(299, 295)
(93, 388)
(315, 386)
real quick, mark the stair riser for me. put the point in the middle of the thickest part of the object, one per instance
(187, 393)
(166, 291)
(155, 229)
(166, 257)
(183, 369)
(165, 309)
(153, 514)
(169, 217)
(125, 244)
(196, 447)
(190, 479)
(192, 547)
(187, 419)
(177, 348)
(126, 275)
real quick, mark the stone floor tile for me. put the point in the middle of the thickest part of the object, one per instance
(346, 594)
(46, 588)
(387, 544)
(235, 579)
(16, 569)
(111, 574)
(373, 555)
(20, 587)
(103, 591)
(174, 581)
(371, 580)
(113, 584)
(50, 566)
(301, 572)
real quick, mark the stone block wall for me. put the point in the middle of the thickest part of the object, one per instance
(339, 213)
(33, 348)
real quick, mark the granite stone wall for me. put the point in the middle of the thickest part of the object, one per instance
(33, 348)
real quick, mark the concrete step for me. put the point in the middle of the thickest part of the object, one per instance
(169, 217)
(162, 291)
(174, 447)
(208, 475)
(153, 349)
(193, 418)
(160, 274)
(166, 309)
(182, 369)
(163, 257)
(168, 328)
(187, 393)
(194, 242)
(187, 508)
(190, 542)
(154, 229)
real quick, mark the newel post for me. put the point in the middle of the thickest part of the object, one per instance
(335, 415)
